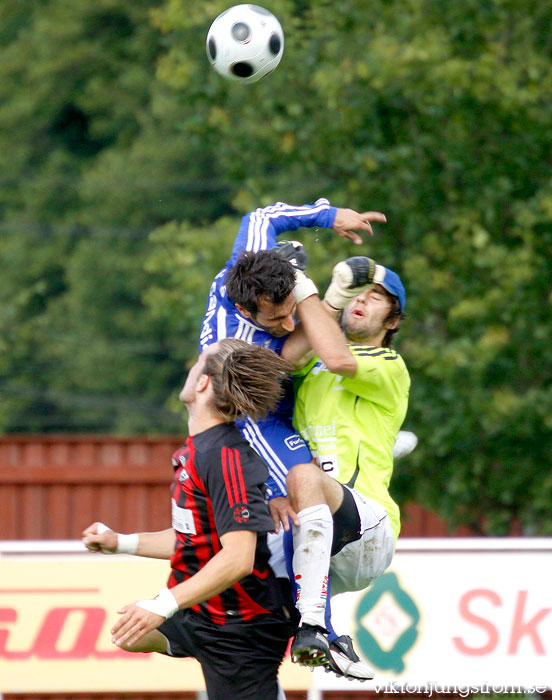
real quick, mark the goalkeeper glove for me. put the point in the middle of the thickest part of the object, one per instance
(351, 277)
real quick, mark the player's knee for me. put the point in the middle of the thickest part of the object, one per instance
(300, 474)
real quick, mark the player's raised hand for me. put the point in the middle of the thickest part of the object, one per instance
(292, 251)
(351, 277)
(348, 222)
(99, 538)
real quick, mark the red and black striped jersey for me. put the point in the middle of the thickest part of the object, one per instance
(218, 487)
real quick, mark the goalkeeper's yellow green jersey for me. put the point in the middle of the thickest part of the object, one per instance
(351, 424)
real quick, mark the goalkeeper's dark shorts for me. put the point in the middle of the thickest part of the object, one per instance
(240, 660)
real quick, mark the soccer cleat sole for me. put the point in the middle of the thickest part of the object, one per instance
(309, 657)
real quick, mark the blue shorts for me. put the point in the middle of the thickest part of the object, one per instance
(281, 447)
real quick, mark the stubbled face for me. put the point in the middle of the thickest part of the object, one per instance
(188, 391)
(278, 320)
(364, 317)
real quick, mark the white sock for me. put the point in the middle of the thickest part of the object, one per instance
(312, 545)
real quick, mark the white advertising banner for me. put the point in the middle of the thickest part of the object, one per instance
(454, 615)
(450, 615)
(57, 605)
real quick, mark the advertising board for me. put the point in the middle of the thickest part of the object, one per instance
(449, 615)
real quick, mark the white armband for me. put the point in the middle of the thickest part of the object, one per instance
(163, 604)
(127, 544)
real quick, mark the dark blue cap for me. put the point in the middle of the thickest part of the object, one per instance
(392, 284)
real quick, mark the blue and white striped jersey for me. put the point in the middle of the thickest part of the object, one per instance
(259, 230)
(274, 438)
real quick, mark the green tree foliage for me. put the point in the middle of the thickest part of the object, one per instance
(82, 188)
(439, 115)
(114, 126)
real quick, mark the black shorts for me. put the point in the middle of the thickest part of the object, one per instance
(346, 521)
(240, 660)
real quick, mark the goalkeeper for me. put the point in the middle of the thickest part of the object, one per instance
(349, 409)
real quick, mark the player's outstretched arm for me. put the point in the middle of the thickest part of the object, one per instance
(323, 334)
(155, 545)
(318, 331)
(348, 221)
(259, 230)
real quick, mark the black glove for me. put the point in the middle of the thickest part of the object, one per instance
(294, 252)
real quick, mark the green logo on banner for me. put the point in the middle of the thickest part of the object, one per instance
(386, 620)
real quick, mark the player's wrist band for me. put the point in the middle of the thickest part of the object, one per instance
(163, 604)
(304, 287)
(127, 544)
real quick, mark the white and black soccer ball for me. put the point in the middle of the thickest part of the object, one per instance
(245, 43)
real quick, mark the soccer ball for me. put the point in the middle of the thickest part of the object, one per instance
(245, 43)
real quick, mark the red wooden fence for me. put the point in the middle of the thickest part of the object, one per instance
(51, 487)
